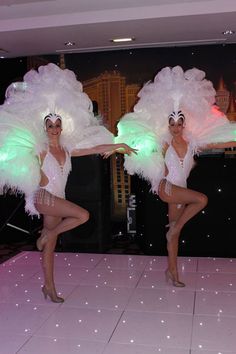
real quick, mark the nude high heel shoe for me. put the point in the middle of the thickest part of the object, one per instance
(53, 296)
(175, 281)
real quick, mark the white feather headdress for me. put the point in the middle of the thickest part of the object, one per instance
(49, 90)
(172, 90)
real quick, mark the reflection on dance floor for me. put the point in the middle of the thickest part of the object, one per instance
(118, 304)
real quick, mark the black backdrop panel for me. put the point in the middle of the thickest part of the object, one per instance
(89, 186)
(89, 179)
(12, 212)
(210, 233)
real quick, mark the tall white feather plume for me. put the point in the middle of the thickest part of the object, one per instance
(22, 136)
(171, 90)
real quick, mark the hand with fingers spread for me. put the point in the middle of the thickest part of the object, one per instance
(122, 149)
(126, 149)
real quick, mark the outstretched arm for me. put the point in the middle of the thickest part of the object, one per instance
(105, 150)
(219, 145)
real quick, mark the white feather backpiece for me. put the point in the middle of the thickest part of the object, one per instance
(172, 90)
(22, 136)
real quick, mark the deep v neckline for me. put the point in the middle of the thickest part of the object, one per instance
(180, 158)
(59, 164)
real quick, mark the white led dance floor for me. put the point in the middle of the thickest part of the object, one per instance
(118, 304)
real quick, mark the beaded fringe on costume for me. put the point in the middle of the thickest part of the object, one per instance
(167, 189)
(43, 197)
(168, 186)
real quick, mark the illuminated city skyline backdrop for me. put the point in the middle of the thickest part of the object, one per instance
(138, 65)
(114, 78)
(141, 65)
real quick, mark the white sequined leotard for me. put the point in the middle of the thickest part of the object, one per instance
(57, 174)
(178, 169)
(57, 177)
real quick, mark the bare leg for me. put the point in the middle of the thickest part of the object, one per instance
(50, 222)
(59, 217)
(71, 215)
(193, 200)
(191, 203)
(174, 214)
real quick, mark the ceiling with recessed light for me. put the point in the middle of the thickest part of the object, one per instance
(32, 27)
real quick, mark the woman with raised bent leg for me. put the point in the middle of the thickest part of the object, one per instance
(183, 203)
(59, 214)
(168, 141)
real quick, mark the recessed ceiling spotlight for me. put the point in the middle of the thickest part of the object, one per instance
(228, 32)
(118, 40)
(69, 44)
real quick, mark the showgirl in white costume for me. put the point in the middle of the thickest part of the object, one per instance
(49, 101)
(174, 118)
(56, 173)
